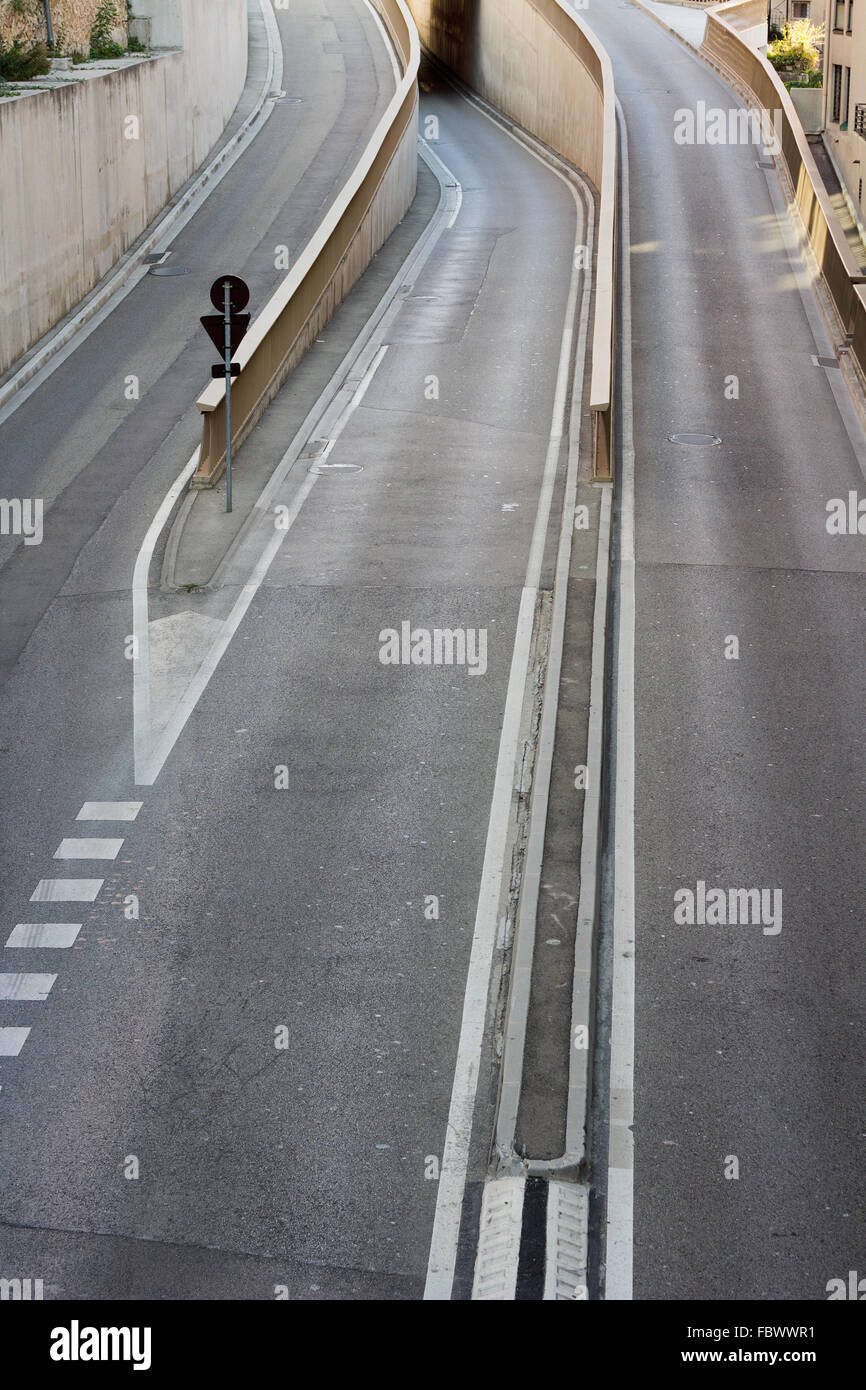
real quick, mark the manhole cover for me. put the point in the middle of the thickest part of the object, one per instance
(168, 270)
(687, 437)
(335, 468)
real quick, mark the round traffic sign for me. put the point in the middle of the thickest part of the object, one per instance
(239, 293)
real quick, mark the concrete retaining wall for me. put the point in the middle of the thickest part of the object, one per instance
(86, 167)
(538, 63)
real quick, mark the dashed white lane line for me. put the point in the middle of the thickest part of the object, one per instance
(109, 810)
(54, 935)
(67, 890)
(12, 1040)
(88, 849)
(22, 986)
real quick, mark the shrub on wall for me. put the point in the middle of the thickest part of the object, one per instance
(797, 50)
(20, 64)
(106, 19)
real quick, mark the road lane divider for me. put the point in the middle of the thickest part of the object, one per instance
(88, 849)
(67, 890)
(51, 936)
(33, 988)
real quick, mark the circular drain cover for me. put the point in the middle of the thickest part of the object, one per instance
(335, 468)
(168, 270)
(692, 438)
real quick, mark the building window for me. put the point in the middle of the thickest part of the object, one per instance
(839, 16)
(800, 9)
(837, 90)
(846, 97)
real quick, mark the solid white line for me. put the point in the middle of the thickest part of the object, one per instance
(590, 839)
(140, 626)
(389, 46)
(88, 849)
(620, 1180)
(12, 1040)
(455, 1158)
(109, 810)
(67, 890)
(48, 935)
(446, 178)
(31, 987)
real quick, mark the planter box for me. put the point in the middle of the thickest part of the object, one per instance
(809, 104)
(139, 28)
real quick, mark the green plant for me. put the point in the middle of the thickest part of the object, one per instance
(812, 79)
(20, 64)
(797, 48)
(136, 46)
(106, 19)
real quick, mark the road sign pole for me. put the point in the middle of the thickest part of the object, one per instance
(228, 313)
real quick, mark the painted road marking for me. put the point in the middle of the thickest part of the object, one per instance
(12, 1040)
(88, 849)
(109, 810)
(44, 934)
(21, 986)
(67, 890)
(455, 1157)
(499, 1234)
(620, 1176)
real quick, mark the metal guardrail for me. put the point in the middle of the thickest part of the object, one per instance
(368, 207)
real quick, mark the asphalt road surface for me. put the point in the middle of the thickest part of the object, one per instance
(238, 1092)
(750, 768)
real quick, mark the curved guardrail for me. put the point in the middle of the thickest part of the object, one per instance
(367, 209)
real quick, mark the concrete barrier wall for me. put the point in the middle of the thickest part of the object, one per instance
(368, 208)
(79, 181)
(726, 46)
(537, 62)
